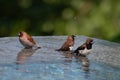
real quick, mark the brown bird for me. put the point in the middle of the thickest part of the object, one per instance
(85, 48)
(26, 40)
(68, 44)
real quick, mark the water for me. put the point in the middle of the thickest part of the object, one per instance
(17, 63)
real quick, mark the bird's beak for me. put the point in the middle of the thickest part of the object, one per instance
(93, 42)
(74, 36)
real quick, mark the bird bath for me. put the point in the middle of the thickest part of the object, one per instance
(17, 63)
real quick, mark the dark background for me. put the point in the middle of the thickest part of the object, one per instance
(94, 18)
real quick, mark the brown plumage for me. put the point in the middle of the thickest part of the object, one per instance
(26, 40)
(85, 48)
(68, 44)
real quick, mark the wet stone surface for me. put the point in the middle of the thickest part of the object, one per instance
(17, 63)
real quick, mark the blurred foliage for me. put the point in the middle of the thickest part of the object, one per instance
(95, 18)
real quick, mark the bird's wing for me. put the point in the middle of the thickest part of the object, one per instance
(65, 47)
(82, 47)
(31, 39)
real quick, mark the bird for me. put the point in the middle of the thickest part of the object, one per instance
(26, 40)
(85, 48)
(68, 44)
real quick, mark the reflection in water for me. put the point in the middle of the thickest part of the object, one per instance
(67, 55)
(24, 54)
(84, 61)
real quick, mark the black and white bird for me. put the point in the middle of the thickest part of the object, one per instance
(68, 44)
(85, 48)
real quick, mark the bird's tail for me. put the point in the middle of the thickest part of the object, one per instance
(37, 45)
(57, 49)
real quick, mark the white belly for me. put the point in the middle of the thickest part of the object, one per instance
(71, 48)
(85, 51)
(26, 43)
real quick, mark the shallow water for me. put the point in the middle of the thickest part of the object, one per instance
(17, 63)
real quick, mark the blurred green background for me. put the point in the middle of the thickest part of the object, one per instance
(94, 18)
